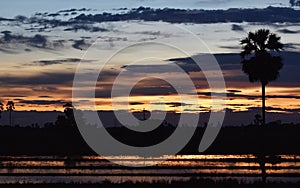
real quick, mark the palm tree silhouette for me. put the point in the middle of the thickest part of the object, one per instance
(10, 106)
(260, 61)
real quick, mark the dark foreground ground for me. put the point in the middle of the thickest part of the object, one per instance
(192, 184)
(67, 141)
(269, 139)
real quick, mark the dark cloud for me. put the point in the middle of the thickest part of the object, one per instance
(42, 102)
(249, 97)
(20, 18)
(296, 110)
(13, 95)
(41, 14)
(153, 33)
(120, 9)
(136, 103)
(39, 29)
(146, 87)
(235, 27)
(76, 28)
(53, 15)
(42, 22)
(37, 41)
(81, 44)
(270, 108)
(105, 91)
(289, 75)
(287, 31)
(58, 43)
(6, 19)
(108, 76)
(231, 47)
(269, 14)
(147, 39)
(291, 46)
(46, 21)
(156, 68)
(45, 96)
(229, 61)
(283, 96)
(175, 104)
(113, 39)
(231, 66)
(65, 12)
(152, 87)
(60, 61)
(234, 91)
(74, 9)
(171, 104)
(208, 94)
(42, 79)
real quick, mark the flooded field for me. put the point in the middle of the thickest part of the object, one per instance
(96, 169)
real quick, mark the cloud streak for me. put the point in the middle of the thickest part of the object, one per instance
(270, 14)
(80, 44)
(60, 61)
(82, 27)
(38, 41)
(42, 102)
(48, 78)
(231, 62)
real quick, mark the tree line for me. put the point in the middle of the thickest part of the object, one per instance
(10, 107)
(66, 120)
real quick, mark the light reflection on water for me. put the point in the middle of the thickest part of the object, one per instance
(89, 179)
(130, 171)
(122, 179)
(94, 169)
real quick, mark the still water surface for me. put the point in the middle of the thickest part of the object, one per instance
(95, 169)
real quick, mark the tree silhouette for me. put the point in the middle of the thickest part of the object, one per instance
(61, 121)
(257, 119)
(68, 109)
(10, 106)
(260, 61)
(1, 108)
(67, 120)
(69, 112)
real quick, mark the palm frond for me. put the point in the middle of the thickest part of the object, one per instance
(262, 66)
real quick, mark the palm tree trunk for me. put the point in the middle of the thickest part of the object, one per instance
(263, 90)
(262, 157)
(10, 118)
(262, 164)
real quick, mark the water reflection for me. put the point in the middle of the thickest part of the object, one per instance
(95, 169)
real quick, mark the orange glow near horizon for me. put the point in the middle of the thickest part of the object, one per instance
(244, 100)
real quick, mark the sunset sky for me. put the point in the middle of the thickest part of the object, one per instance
(39, 57)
